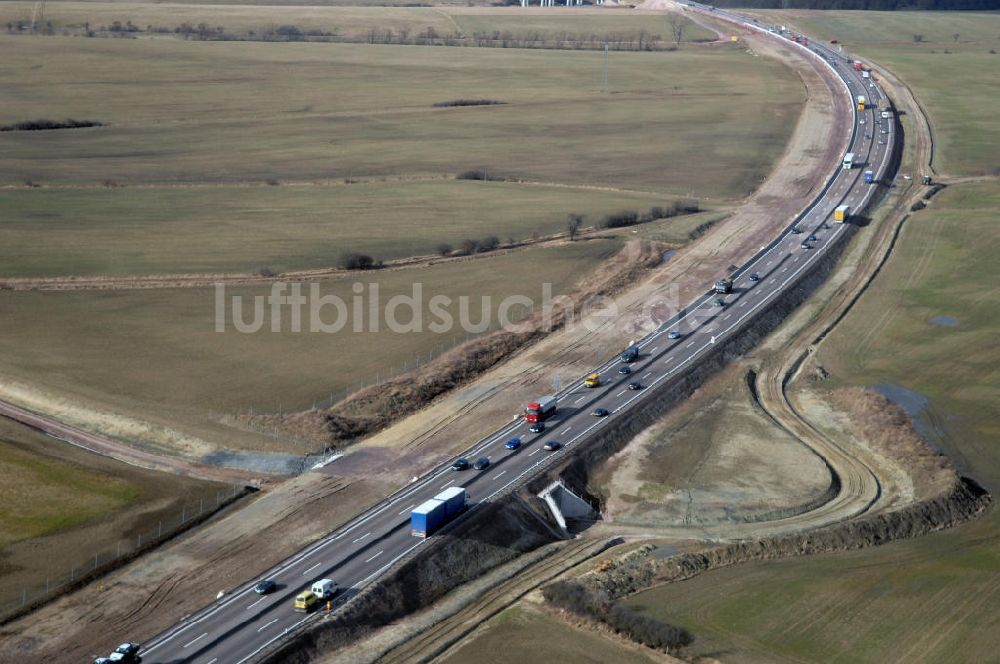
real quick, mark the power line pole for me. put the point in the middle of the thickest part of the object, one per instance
(604, 86)
(37, 14)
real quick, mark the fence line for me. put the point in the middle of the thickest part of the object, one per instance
(123, 551)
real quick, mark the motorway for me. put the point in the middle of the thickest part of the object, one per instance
(239, 626)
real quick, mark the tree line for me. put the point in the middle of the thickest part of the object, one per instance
(868, 5)
(629, 40)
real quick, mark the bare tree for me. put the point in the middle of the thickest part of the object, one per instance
(573, 223)
(918, 38)
(677, 27)
(956, 36)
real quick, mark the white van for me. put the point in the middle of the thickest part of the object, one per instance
(324, 588)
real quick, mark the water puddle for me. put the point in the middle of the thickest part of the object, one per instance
(258, 462)
(916, 406)
(943, 321)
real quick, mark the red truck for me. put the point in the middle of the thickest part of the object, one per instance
(540, 410)
(858, 66)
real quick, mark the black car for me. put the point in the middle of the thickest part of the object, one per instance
(552, 446)
(482, 463)
(460, 464)
(754, 277)
(635, 386)
(537, 427)
(126, 653)
(813, 238)
(624, 370)
(719, 302)
(264, 586)
(128, 649)
(674, 334)
(796, 230)
(600, 412)
(806, 245)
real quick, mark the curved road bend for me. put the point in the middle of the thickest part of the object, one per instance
(238, 627)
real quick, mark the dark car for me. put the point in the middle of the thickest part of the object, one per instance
(460, 464)
(674, 334)
(754, 277)
(796, 230)
(635, 386)
(129, 650)
(813, 238)
(806, 245)
(264, 586)
(624, 370)
(552, 446)
(482, 463)
(513, 444)
(126, 653)
(719, 302)
(600, 412)
(537, 427)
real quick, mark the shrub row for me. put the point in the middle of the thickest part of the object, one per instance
(631, 217)
(624, 620)
(355, 261)
(479, 174)
(469, 102)
(42, 124)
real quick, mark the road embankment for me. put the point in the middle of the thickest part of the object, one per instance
(965, 500)
(495, 534)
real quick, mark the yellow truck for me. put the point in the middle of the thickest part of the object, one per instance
(841, 213)
(306, 601)
(593, 380)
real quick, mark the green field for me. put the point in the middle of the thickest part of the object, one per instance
(527, 635)
(932, 599)
(155, 354)
(60, 505)
(956, 80)
(239, 229)
(43, 495)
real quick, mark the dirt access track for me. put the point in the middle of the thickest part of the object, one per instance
(156, 591)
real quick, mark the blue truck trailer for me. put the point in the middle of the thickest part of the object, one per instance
(430, 515)
(631, 354)
(869, 177)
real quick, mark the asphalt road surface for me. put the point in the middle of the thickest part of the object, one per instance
(236, 628)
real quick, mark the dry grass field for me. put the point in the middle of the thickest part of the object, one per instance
(523, 633)
(356, 20)
(191, 142)
(155, 355)
(160, 230)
